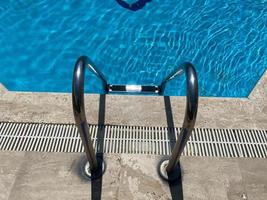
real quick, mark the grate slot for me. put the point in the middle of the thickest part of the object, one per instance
(132, 139)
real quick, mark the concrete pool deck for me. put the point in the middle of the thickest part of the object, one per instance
(35, 175)
(40, 175)
(241, 113)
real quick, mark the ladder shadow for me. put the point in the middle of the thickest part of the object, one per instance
(139, 4)
(176, 187)
(96, 185)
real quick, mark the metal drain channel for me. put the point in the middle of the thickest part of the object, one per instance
(132, 140)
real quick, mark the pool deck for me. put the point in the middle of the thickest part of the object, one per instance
(36, 175)
(245, 113)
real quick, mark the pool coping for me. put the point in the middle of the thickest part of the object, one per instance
(214, 112)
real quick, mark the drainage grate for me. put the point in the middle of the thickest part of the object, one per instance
(132, 139)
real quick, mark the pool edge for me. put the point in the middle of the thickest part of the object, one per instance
(214, 112)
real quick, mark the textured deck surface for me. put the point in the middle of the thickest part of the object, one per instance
(246, 113)
(36, 176)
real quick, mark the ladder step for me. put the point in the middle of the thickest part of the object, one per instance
(133, 89)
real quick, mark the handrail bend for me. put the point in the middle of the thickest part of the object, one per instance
(80, 117)
(190, 111)
(79, 109)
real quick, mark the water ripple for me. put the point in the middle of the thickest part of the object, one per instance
(226, 40)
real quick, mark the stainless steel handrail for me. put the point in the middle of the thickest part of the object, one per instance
(190, 111)
(79, 109)
(188, 123)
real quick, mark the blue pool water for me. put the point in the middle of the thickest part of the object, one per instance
(225, 40)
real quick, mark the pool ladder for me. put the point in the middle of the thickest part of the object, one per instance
(168, 166)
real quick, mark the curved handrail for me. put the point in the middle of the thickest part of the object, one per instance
(190, 111)
(79, 109)
(80, 117)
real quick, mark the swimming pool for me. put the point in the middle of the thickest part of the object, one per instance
(225, 40)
